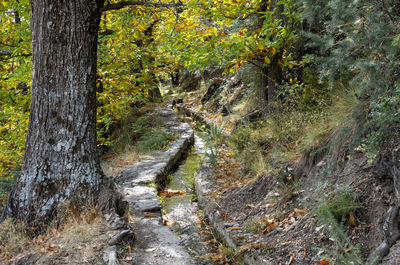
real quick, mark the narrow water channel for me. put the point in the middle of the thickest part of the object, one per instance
(182, 212)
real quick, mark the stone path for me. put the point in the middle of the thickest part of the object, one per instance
(155, 243)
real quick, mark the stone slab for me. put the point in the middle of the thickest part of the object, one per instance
(150, 205)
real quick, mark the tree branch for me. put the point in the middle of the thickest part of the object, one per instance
(4, 52)
(123, 4)
(388, 13)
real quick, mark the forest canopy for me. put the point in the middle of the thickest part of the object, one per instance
(341, 45)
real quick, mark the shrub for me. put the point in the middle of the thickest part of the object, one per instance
(342, 203)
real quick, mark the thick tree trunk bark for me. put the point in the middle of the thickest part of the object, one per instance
(61, 162)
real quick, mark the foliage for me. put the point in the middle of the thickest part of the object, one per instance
(384, 119)
(340, 203)
(331, 210)
(346, 252)
(15, 71)
(222, 33)
(356, 46)
(213, 140)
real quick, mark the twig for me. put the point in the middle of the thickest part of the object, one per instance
(388, 13)
(123, 4)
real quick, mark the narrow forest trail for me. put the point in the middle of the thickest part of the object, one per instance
(160, 190)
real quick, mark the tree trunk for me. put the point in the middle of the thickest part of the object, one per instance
(274, 69)
(274, 77)
(262, 93)
(61, 163)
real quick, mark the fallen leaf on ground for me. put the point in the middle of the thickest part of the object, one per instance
(322, 262)
(287, 243)
(219, 257)
(49, 248)
(212, 240)
(290, 260)
(167, 221)
(98, 246)
(270, 225)
(251, 246)
(150, 215)
(352, 220)
(269, 205)
(300, 212)
(170, 193)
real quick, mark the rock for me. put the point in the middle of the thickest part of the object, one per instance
(212, 89)
(137, 193)
(114, 221)
(110, 255)
(190, 82)
(148, 205)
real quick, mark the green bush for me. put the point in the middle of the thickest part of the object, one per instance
(342, 202)
(213, 138)
(331, 210)
(241, 137)
(356, 45)
(345, 252)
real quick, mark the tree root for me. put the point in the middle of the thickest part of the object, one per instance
(391, 233)
(388, 165)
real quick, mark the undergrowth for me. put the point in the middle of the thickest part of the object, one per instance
(344, 252)
(77, 238)
(151, 142)
(139, 132)
(290, 132)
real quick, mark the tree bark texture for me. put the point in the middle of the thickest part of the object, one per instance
(274, 69)
(61, 162)
(272, 74)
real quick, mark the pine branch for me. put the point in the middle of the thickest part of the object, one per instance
(123, 4)
(388, 13)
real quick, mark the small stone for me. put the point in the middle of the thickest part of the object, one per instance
(110, 255)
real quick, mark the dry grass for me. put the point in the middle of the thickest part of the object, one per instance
(284, 136)
(338, 116)
(113, 164)
(13, 239)
(80, 240)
